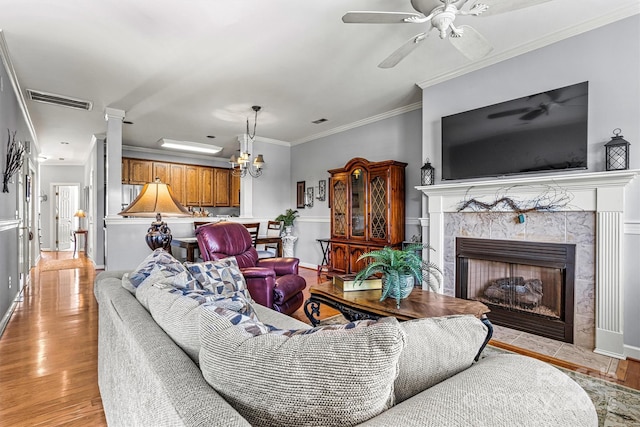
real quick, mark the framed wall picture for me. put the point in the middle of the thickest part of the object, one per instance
(322, 190)
(300, 193)
(27, 188)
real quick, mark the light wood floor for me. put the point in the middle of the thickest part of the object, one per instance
(48, 353)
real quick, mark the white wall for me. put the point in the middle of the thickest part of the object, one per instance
(609, 58)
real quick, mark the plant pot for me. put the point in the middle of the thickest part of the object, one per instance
(402, 291)
(287, 230)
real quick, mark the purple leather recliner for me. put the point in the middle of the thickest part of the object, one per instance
(272, 282)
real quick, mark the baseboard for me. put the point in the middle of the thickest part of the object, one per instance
(308, 265)
(7, 316)
(632, 351)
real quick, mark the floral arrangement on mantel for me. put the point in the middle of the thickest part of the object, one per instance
(552, 199)
(15, 156)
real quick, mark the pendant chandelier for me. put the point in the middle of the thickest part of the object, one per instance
(243, 165)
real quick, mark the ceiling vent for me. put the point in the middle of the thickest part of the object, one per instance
(64, 101)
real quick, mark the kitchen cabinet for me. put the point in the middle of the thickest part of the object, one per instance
(125, 170)
(162, 171)
(235, 190)
(178, 182)
(206, 185)
(140, 171)
(192, 178)
(222, 187)
(192, 185)
(367, 210)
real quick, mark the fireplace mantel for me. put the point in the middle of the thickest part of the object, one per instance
(600, 192)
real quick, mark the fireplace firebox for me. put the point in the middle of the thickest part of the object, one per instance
(529, 286)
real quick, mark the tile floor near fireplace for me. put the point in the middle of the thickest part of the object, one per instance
(557, 349)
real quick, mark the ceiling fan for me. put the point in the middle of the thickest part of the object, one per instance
(440, 14)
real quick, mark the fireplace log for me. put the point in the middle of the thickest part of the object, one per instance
(515, 291)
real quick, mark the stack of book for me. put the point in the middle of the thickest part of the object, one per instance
(347, 283)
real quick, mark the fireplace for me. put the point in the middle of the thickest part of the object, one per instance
(528, 286)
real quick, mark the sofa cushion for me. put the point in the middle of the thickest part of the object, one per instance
(437, 348)
(331, 378)
(157, 260)
(222, 276)
(176, 310)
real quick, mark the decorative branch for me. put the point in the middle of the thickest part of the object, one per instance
(15, 156)
(552, 199)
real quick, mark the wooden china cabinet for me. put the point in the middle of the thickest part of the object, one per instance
(367, 210)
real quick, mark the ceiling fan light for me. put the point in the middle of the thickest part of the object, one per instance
(259, 161)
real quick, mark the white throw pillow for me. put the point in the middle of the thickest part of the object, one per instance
(337, 377)
(437, 348)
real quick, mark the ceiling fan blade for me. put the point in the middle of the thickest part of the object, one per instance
(533, 114)
(378, 17)
(508, 113)
(501, 6)
(404, 50)
(471, 44)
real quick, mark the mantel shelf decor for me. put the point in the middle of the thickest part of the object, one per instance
(551, 199)
(15, 156)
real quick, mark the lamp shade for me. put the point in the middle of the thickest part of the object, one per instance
(80, 214)
(155, 198)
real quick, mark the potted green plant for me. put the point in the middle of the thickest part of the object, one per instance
(399, 268)
(287, 219)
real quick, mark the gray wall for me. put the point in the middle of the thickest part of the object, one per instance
(395, 138)
(11, 117)
(272, 191)
(609, 58)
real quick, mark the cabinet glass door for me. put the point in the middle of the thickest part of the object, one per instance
(379, 220)
(358, 202)
(339, 193)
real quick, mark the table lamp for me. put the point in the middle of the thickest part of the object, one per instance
(155, 200)
(80, 214)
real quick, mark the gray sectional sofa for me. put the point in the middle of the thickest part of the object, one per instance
(146, 379)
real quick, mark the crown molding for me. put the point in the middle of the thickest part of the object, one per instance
(265, 140)
(11, 72)
(158, 151)
(605, 19)
(372, 119)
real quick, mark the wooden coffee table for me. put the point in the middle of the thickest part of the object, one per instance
(359, 305)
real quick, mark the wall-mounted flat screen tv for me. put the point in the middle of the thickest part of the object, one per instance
(537, 133)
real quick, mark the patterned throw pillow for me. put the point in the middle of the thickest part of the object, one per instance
(158, 259)
(222, 277)
(339, 377)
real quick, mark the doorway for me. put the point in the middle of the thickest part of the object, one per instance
(27, 251)
(66, 202)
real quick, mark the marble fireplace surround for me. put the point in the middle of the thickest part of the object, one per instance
(592, 218)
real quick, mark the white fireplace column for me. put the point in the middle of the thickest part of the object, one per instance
(599, 192)
(609, 272)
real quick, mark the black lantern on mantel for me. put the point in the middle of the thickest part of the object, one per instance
(617, 152)
(428, 174)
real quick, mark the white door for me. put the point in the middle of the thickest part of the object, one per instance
(22, 231)
(66, 200)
